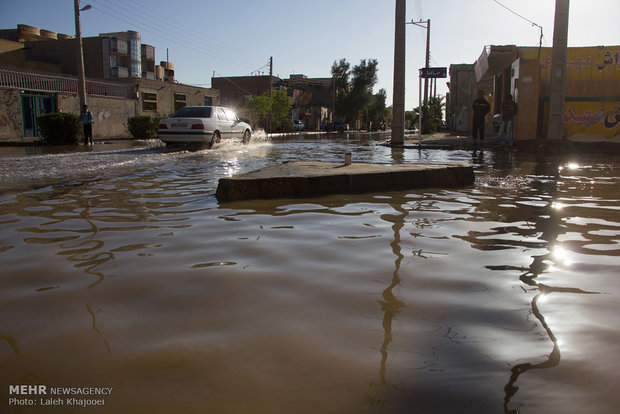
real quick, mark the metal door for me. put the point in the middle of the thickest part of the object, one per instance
(34, 105)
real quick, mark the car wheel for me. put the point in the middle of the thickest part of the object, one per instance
(215, 138)
(246, 136)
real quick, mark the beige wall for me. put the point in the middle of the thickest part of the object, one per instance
(110, 114)
(165, 93)
(10, 114)
(528, 92)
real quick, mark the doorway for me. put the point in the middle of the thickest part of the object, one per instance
(33, 105)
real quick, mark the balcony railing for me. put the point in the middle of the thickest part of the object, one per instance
(54, 82)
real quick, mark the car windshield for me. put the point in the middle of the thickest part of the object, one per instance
(193, 112)
(230, 114)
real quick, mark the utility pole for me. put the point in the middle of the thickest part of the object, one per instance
(427, 26)
(428, 57)
(398, 96)
(558, 70)
(80, 53)
(270, 75)
(270, 91)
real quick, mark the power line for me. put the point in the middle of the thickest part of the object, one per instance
(234, 83)
(187, 42)
(143, 28)
(517, 14)
(165, 21)
(529, 21)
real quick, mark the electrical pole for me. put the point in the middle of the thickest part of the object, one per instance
(270, 75)
(428, 57)
(270, 91)
(398, 97)
(427, 26)
(80, 54)
(558, 70)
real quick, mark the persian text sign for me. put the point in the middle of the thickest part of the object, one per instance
(434, 72)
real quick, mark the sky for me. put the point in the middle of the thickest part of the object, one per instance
(237, 37)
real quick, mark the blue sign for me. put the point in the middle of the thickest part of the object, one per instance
(434, 72)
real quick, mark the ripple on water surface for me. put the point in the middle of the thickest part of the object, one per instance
(497, 297)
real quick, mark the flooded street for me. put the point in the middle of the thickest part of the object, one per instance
(121, 270)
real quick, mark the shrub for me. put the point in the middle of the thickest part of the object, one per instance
(60, 128)
(142, 126)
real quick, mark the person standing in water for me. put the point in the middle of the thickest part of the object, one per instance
(87, 120)
(481, 108)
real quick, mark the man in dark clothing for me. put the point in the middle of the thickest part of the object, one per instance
(87, 120)
(506, 129)
(480, 108)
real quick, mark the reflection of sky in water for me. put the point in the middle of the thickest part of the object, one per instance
(497, 297)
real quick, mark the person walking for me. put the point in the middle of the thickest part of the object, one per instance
(506, 128)
(87, 120)
(481, 108)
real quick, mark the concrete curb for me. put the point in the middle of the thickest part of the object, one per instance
(309, 179)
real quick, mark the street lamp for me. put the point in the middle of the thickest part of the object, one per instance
(78, 38)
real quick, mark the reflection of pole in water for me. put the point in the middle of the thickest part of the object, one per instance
(550, 228)
(390, 305)
(94, 317)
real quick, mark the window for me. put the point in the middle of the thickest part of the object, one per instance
(193, 112)
(180, 101)
(221, 115)
(231, 115)
(149, 101)
(208, 100)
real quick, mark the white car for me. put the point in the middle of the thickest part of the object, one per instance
(203, 124)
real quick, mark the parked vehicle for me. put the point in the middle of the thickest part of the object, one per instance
(377, 124)
(203, 124)
(299, 125)
(337, 126)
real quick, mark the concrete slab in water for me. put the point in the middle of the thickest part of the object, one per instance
(313, 178)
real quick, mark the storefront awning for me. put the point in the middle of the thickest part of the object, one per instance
(493, 60)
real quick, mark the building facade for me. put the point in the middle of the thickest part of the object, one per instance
(38, 72)
(235, 90)
(311, 98)
(25, 94)
(592, 90)
(107, 56)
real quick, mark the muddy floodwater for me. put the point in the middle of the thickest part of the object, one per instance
(125, 283)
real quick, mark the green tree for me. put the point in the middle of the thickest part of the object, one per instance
(278, 107)
(340, 73)
(259, 108)
(281, 110)
(378, 108)
(411, 117)
(432, 115)
(354, 86)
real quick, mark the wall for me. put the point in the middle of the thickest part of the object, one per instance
(462, 95)
(165, 93)
(10, 114)
(592, 103)
(110, 114)
(12, 54)
(527, 93)
(235, 90)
